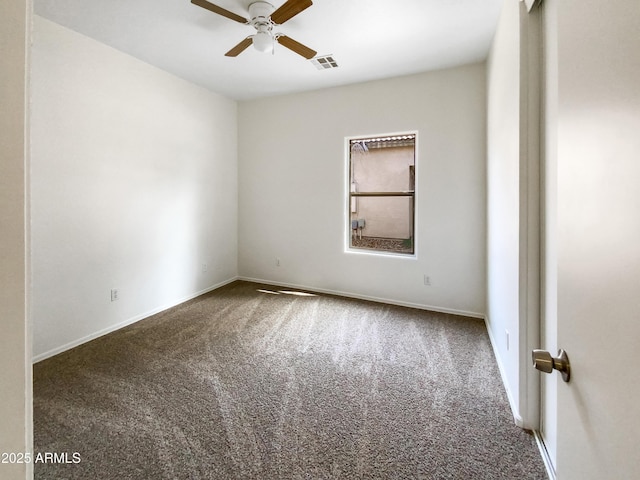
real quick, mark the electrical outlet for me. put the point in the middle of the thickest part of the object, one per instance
(114, 294)
(277, 262)
(204, 267)
(427, 280)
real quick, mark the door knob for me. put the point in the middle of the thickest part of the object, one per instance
(543, 361)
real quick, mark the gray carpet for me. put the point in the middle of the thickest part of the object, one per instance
(250, 382)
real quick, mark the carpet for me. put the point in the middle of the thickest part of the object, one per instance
(260, 382)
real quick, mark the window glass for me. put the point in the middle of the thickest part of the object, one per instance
(382, 193)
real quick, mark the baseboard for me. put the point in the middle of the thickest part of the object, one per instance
(118, 326)
(137, 318)
(544, 453)
(339, 293)
(517, 418)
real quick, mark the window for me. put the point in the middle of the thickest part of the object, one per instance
(381, 207)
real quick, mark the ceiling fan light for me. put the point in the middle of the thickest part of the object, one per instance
(263, 42)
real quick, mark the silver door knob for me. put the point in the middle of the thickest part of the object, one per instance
(543, 361)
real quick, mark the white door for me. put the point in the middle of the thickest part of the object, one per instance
(597, 240)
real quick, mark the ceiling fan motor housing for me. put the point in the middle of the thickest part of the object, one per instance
(259, 12)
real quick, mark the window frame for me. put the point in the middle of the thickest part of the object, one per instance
(349, 195)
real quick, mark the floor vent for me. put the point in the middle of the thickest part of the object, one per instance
(324, 62)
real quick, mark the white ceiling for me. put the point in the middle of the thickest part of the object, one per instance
(370, 39)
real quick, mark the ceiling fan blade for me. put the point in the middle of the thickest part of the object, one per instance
(239, 48)
(289, 9)
(219, 10)
(297, 47)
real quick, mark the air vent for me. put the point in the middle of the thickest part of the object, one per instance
(324, 62)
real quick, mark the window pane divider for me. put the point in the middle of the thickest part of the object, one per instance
(383, 194)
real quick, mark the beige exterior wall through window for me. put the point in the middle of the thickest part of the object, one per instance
(382, 191)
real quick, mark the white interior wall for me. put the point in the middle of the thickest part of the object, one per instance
(15, 344)
(134, 187)
(293, 183)
(503, 198)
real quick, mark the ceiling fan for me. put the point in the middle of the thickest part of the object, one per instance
(264, 17)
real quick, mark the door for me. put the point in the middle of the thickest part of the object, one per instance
(596, 150)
